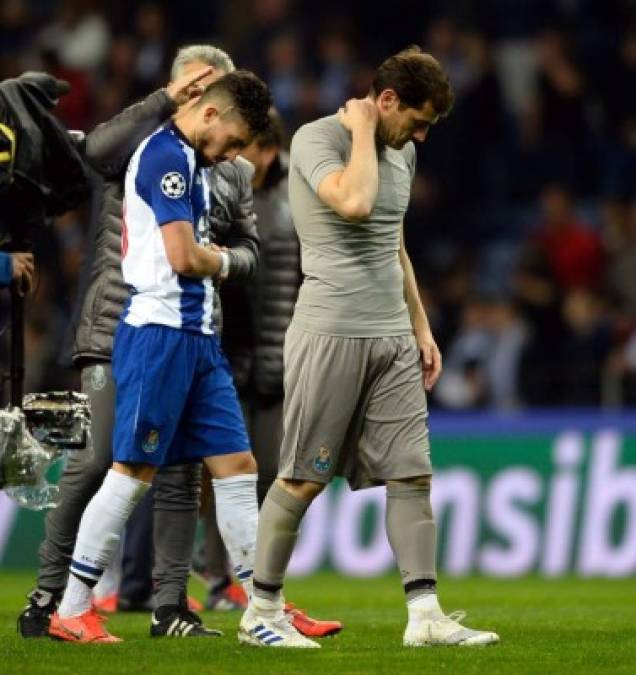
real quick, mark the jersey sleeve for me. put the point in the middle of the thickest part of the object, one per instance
(316, 153)
(163, 181)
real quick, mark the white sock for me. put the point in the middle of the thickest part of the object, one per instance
(98, 537)
(237, 518)
(426, 604)
(110, 580)
(269, 608)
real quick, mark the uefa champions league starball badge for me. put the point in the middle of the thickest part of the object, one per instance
(173, 185)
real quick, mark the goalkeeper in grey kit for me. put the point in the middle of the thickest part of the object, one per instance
(359, 352)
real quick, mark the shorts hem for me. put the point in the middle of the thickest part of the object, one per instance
(323, 480)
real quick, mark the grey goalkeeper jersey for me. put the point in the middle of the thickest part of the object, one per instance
(354, 284)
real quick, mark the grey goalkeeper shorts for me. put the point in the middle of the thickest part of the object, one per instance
(354, 407)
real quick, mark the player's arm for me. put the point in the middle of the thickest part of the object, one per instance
(185, 256)
(430, 354)
(110, 145)
(242, 240)
(352, 192)
(163, 180)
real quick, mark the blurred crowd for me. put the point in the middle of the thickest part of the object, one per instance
(522, 226)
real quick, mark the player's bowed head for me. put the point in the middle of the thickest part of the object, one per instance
(229, 112)
(410, 92)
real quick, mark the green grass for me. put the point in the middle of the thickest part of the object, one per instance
(552, 627)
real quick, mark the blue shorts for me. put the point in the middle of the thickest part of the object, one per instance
(175, 399)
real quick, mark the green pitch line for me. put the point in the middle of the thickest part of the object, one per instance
(547, 627)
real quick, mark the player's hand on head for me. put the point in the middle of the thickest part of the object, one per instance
(431, 360)
(359, 113)
(188, 86)
(23, 268)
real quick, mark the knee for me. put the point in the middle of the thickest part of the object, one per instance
(235, 464)
(301, 489)
(417, 483)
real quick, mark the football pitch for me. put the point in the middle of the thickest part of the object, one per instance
(551, 627)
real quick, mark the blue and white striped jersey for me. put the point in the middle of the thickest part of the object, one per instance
(164, 183)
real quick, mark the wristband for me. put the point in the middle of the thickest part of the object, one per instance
(225, 264)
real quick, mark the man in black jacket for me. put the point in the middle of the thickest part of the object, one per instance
(108, 149)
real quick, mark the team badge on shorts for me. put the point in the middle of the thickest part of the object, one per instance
(151, 442)
(322, 463)
(173, 185)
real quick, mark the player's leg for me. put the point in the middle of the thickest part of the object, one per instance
(223, 594)
(234, 478)
(411, 532)
(147, 413)
(266, 434)
(395, 447)
(323, 379)
(136, 587)
(97, 542)
(176, 509)
(83, 474)
(264, 421)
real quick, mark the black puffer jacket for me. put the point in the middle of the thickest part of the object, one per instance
(108, 149)
(257, 315)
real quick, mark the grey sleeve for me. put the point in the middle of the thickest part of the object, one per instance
(315, 153)
(242, 240)
(111, 144)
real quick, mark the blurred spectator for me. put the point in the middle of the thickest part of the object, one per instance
(463, 383)
(16, 30)
(509, 336)
(482, 363)
(284, 73)
(336, 57)
(153, 48)
(482, 125)
(621, 277)
(574, 252)
(79, 36)
(117, 86)
(557, 123)
(546, 96)
(585, 348)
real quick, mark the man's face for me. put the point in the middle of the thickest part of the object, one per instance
(400, 124)
(260, 157)
(220, 135)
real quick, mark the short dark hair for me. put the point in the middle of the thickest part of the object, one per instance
(416, 77)
(274, 134)
(248, 94)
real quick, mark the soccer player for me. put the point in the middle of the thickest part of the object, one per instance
(175, 398)
(176, 487)
(359, 352)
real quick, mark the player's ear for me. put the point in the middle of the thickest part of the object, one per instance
(209, 113)
(388, 100)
